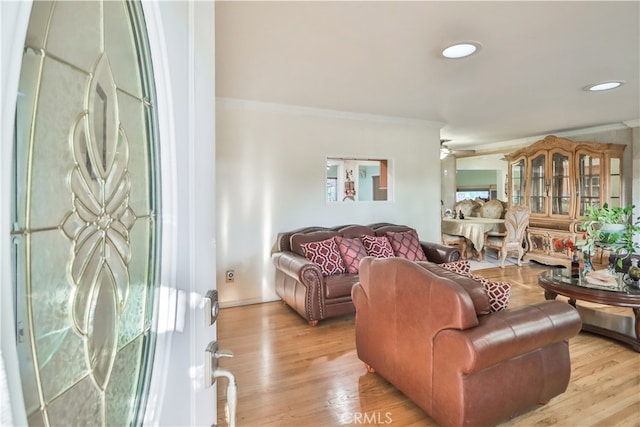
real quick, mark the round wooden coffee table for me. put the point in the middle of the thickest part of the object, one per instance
(558, 281)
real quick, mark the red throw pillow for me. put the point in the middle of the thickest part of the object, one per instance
(377, 246)
(326, 255)
(406, 244)
(499, 293)
(352, 251)
(460, 267)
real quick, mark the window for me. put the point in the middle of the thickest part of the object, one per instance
(485, 193)
(358, 180)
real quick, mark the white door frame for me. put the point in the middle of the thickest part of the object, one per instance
(14, 18)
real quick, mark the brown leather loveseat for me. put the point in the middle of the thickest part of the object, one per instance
(430, 333)
(301, 284)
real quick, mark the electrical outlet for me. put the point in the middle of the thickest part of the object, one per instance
(229, 276)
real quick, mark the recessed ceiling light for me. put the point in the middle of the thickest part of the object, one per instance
(604, 86)
(460, 50)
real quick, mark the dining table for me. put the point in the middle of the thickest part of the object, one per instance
(473, 229)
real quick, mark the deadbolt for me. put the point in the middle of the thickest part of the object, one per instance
(211, 307)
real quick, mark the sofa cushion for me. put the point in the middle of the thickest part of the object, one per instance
(339, 285)
(499, 292)
(352, 251)
(377, 246)
(405, 244)
(326, 255)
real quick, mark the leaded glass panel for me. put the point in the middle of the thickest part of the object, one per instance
(86, 206)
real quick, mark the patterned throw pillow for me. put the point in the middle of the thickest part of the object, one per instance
(326, 255)
(352, 251)
(460, 267)
(499, 292)
(377, 246)
(405, 244)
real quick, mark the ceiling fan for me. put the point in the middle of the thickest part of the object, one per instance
(445, 150)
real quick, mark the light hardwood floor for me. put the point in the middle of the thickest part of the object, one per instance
(291, 374)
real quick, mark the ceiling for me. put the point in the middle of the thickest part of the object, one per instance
(383, 58)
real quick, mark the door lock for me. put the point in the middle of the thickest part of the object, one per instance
(211, 307)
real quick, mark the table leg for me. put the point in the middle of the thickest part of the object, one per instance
(636, 311)
(549, 295)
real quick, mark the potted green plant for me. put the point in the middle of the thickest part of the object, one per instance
(610, 228)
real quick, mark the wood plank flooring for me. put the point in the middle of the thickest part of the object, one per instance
(291, 374)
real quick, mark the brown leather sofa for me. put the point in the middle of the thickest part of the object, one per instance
(300, 283)
(429, 332)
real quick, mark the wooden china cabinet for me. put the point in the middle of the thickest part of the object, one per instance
(557, 178)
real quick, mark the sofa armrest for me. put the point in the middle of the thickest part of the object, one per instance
(296, 266)
(507, 334)
(300, 283)
(439, 253)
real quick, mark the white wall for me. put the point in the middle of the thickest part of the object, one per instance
(271, 171)
(636, 171)
(448, 168)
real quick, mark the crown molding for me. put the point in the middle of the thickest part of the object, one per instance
(235, 103)
(521, 142)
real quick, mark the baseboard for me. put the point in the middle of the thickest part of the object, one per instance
(250, 301)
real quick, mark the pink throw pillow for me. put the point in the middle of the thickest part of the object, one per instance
(326, 255)
(405, 244)
(352, 251)
(377, 246)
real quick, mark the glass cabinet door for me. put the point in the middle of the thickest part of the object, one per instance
(560, 184)
(589, 181)
(615, 180)
(517, 183)
(537, 192)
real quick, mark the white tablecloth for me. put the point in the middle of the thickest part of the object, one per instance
(472, 228)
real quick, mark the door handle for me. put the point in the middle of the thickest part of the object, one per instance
(211, 365)
(213, 372)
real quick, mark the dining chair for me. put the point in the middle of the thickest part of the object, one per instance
(453, 240)
(516, 221)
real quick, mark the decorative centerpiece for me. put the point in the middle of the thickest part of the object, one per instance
(609, 228)
(632, 276)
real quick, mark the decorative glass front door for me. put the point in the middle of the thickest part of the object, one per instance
(86, 210)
